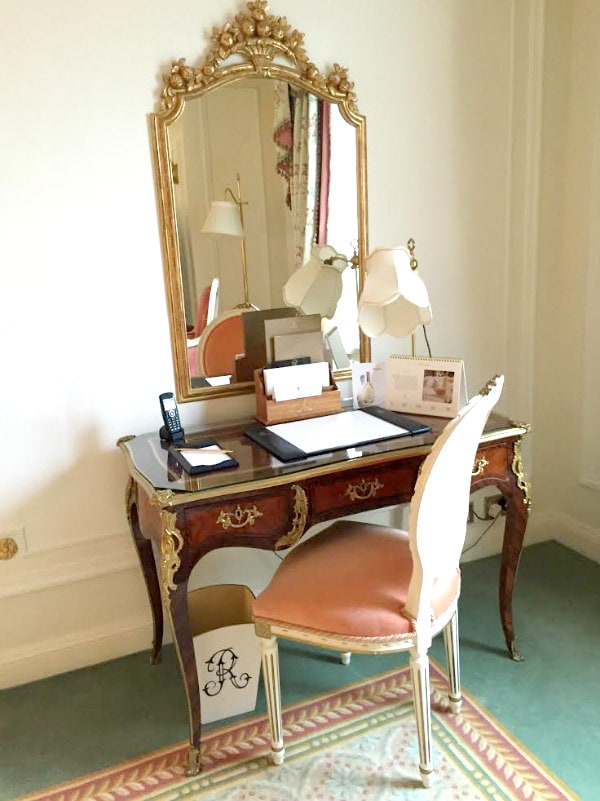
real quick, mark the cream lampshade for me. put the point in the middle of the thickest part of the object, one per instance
(223, 220)
(316, 287)
(394, 300)
(226, 218)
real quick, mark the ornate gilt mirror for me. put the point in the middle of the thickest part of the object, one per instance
(258, 128)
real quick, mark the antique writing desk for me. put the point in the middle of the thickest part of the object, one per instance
(266, 504)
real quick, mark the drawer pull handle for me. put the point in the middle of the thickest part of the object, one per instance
(363, 489)
(479, 466)
(240, 518)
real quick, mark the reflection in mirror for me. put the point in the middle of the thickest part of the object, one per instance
(265, 171)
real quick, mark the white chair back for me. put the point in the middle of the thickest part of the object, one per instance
(440, 504)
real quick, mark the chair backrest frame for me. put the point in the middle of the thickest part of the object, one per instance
(439, 506)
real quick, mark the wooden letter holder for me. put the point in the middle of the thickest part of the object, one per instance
(269, 411)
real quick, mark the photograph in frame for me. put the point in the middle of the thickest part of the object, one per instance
(425, 385)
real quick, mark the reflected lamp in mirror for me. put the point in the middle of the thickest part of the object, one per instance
(226, 218)
(394, 299)
(316, 287)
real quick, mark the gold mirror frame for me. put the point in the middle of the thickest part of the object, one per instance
(255, 38)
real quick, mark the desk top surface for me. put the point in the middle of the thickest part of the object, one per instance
(149, 460)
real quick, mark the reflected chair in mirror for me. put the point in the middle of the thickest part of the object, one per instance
(219, 344)
(208, 308)
(364, 588)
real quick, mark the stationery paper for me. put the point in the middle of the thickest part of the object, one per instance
(296, 381)
(292, 346)
(201, 458)
(289, 325)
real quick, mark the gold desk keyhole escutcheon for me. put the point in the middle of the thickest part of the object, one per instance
(479, 466)
(364, 489)
(239, 518)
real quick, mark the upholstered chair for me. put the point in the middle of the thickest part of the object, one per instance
(365, 588)
(219, 344)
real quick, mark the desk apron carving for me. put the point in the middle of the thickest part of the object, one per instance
(298, 520)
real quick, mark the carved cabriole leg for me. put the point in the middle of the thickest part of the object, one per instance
(175, 599)
(148, 564)
(419, 671)
(518, 505)
(184, 644)
(453, 662)
(270, 666)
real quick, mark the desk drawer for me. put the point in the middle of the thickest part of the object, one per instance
(491, 460)
(365, 488)
(257, 516)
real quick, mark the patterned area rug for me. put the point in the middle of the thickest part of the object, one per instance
(354, 743)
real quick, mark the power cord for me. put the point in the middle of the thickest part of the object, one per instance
(483, 533)
(426, 341)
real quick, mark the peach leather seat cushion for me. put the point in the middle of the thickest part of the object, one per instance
(350, 579)
(223, 342)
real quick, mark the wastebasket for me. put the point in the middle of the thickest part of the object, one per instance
(226, 648)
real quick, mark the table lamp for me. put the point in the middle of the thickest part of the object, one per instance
(316, 287)
(226, 218)
(394, 299)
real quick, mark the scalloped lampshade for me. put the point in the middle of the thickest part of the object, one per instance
(316, 287)
(394, 300)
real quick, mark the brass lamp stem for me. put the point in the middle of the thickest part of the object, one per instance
(413, 266)
(240, 204)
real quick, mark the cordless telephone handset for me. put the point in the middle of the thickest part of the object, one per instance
(172, 430)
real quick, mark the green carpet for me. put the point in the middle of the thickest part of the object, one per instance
(82, 721)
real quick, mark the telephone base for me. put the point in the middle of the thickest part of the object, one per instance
(166, 436)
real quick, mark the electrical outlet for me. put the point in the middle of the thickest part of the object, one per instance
(490, 502)
(10, 539)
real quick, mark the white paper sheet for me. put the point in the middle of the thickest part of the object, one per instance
(334, 431)
(297, 381)
(205, 457)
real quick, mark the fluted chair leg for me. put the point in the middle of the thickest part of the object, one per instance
(270, 669)
(453, 662)
(419, 671)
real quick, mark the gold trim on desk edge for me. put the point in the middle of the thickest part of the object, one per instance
(169, 499)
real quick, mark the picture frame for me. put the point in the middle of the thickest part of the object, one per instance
(428, 386)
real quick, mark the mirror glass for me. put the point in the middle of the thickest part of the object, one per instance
(284, 145)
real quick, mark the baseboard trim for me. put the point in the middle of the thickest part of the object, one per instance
(50, 657)
(80, 561)
(564, 529)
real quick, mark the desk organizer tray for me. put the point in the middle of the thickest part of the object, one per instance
(269, 411)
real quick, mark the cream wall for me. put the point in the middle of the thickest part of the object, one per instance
(452, 91)
(568, 322)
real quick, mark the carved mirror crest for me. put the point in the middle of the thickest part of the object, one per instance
(257, 128)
